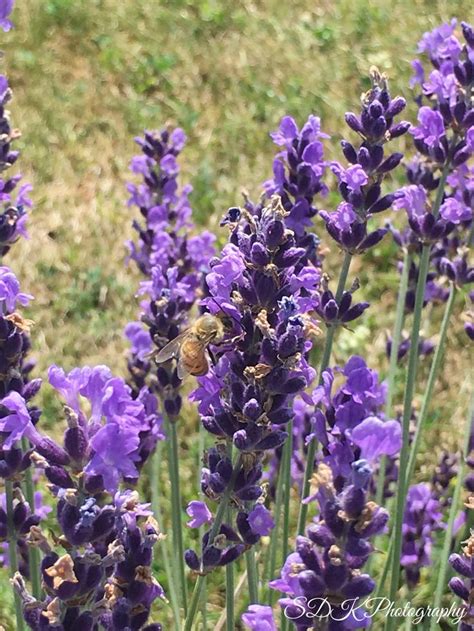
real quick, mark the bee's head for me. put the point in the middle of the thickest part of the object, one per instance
(211, 326)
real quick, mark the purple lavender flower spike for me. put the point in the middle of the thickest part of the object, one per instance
(109, 570)
(297, 178)
(172, 262)
(360, 183)
(443, 140)
(259, 367)
(349, 422)
(422, 517)
(13, 215)
(108, 534)
(445, 471)
(328, 562)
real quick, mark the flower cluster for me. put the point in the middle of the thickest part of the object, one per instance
(443, 138)
(115, 440)
(422, 517)
(247, 396)
(349, 423)
(463, 586)
(108, 582)
(172, 261)
(327, 563)
(298, 170)
(361, 183)
(108, 536)
(14, 203)
(447, 89)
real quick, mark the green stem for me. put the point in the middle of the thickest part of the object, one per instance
(34, 559)
(287, 490)
(324, 364)
(195, 598)
(448, 537)
(435, 364)
(407, 410)
(155, 504)
(407, 406)
(193, 605)
(229, 590)
(408, 624)
(396, 339)
(384, 574)
(286, 500)
(252, 575)
(176, 512)
(12, 552)
(270, 564)
(202, 443)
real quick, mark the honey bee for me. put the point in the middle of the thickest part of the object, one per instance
(190, 347)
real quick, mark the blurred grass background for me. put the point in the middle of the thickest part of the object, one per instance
(89, 75)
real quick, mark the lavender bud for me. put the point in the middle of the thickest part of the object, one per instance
(460, 565)
(382, 204)
(399, 129)
(59, 476)
(75, 443)
(353, 122)
(311, 584)
(52, 452)
(397, 105)
(359, 586)
(192, 560)
(349, 151)
(390, 163)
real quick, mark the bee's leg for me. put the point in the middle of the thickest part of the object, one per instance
(236, 338)
(212, 357)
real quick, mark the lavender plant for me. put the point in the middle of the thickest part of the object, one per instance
(361, 188)
(19, 511)
(442, 140)
(104, 577)
(173, 263)
(246, 398)
(325, 569)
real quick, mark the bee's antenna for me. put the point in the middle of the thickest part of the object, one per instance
(226, 312)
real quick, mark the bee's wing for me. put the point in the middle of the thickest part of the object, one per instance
(181, 370)
(170, 350)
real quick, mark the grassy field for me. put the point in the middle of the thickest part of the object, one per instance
(89, 75)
